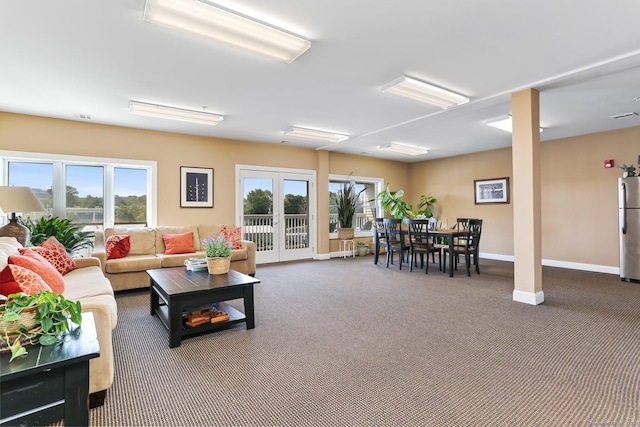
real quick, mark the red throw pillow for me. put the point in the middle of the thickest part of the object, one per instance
(178, 243)
(54, 252)
(35, 262)
(117, 246)
(14, 279)
(235, 235)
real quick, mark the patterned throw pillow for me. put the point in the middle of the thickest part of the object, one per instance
(54, 252)
(178, 243)
(235, 235)
(117, 246)
(14, 279)
(35, 262)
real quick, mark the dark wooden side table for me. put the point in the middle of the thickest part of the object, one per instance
(50, 382)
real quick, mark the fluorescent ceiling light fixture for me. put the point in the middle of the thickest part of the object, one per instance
(424, 92)
(164, 112)
(315, 134)
(203, 19)
(505, 124)
(412, 150)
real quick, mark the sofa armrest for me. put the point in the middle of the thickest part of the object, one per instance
(251, 254)
(99, 250)
(88, 262)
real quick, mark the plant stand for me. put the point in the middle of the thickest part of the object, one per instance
(348, 248)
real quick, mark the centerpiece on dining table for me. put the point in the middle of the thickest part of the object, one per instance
(218, 250)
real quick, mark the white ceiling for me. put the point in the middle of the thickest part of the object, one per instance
(91, 57)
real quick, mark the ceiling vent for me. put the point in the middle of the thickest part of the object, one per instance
(81, 116)
(624, 115)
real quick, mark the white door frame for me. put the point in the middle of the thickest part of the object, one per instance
(283, 173)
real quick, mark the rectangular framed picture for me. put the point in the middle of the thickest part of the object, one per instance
(196, 187)
(488, 191)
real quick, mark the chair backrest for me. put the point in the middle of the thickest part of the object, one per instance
(475, 230)
(418, 232)
(392, 229)
(433, 223)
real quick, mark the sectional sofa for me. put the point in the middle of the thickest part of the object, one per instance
(147, 251)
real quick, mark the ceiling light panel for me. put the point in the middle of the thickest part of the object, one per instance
(165, 112)
(223, 26)
(315, 134)
(424, 92)
(412, 150)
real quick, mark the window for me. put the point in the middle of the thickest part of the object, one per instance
(363, 219)
(90, 191)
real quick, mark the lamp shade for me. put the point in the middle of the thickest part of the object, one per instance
(19, 199)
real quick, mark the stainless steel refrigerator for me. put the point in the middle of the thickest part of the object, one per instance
(629, 221)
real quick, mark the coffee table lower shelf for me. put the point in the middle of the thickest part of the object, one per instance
(235, 316)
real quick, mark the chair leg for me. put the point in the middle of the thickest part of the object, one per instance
(467, 263)
(376, 252)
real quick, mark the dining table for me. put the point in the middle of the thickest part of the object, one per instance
(450, 234)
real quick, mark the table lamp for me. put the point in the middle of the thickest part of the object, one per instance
(17, 199)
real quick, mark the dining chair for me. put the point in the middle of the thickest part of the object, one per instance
(395, 239)
(469, 245)
(379, 238)
(420, 243)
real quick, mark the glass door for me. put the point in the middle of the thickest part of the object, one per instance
(276, 213)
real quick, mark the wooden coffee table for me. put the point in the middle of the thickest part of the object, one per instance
(181, 289)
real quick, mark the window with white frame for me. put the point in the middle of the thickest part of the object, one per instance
(94, 192)
(363, 219)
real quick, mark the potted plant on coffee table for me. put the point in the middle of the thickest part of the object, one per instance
(219, 251)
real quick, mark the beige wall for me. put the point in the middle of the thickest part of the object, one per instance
(579, 196)
(579, 199)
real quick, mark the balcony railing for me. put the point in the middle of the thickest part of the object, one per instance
(361, 222)
(259, 229)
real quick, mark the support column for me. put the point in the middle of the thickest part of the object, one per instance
(527, 247)
(322, 183)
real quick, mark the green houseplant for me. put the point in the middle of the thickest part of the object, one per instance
(425, 204)
(218, 250)
(49, 313)
(392, 201)
(66, 232)
(348, 201)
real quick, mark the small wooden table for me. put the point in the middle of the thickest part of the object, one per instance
(180, 289)
(51, 382)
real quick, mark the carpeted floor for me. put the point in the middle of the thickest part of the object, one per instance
(347, 342)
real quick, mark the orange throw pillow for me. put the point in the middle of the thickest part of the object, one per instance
(178, 243)
(35, 262)
(235, 235)
(54, 252)
(14, 279)
(117, 246)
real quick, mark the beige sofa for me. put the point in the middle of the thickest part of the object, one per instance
(147, 252)
(88, 285)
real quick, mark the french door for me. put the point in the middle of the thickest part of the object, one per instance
(277, 211)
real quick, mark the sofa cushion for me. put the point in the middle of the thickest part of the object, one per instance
(178, 243)
(54, 252)
(239, 254)
(117, 246)
(8, 246)
(36, 263)
(164, 229)
(205, 231)
(133, 263)
(143, 240)
(14, 279)
(86, 282)
(233, 234)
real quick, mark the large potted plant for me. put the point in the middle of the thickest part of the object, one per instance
(392, 202)
(66, 232)
(348, 201)
(425, 204)
(218, 250)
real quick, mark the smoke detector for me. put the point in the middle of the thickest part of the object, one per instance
(81, 116)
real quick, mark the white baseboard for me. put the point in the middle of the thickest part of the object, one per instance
(562, 264)
(528, 297)
(322, 257)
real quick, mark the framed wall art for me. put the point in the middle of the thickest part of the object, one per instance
(489, 191)
(196, 187)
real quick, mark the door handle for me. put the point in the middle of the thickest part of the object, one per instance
(623, 189)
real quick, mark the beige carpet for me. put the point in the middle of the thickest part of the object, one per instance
(347, 342)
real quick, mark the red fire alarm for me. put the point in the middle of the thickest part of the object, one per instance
(608, 163)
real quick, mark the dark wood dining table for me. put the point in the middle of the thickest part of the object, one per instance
(450, 234)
